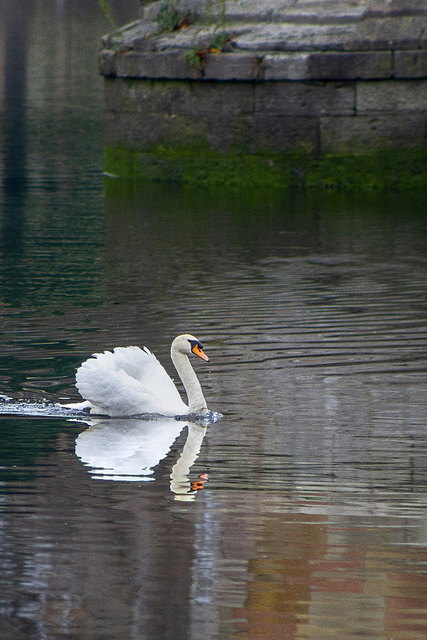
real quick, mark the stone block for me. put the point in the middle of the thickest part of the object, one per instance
(180, 97)
(107, 63)
(248, 10)
(146, 96)
(162, 97)
(350, 66)
(132, 131)
(294, 37)
(142, 38)
(261, 133)
(116, 95)
(376, 34)
(286, 66)
(410, 64)
(144, 131)
(221, 99)
(321, 11)
(391, 33)
(394, 7)
(229, 66)
(182, 130)
(225, 132)
(304, 98)
(155, 65)
(285, 133)
(391, 97)
(363, 134)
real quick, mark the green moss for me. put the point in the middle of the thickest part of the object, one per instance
(404, 170)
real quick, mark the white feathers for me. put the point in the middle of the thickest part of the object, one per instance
(128, 381)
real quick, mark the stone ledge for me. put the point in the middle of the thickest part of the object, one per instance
(303, 11)
(302, 66)
(273, 40)
(379, 34)
(266, 26)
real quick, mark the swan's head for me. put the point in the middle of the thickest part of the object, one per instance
(188, 344)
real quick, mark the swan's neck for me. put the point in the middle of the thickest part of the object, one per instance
(196, 400)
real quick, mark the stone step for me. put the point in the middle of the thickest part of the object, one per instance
(281, 26)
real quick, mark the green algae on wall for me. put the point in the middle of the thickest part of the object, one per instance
(400, 169)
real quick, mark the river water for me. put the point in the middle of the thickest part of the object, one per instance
(303, 512)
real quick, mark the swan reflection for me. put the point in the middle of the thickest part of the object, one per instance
(179, 482)
(128, 449)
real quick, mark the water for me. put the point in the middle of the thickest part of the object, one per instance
(302, 513)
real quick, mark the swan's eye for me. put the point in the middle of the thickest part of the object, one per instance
(197, 349)
(195, 345)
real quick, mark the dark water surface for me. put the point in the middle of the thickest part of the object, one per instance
(303, 512)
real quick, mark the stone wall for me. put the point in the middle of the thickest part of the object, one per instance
(309, 116)
(291, 75)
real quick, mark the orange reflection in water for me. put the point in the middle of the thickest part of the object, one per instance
(312, 579)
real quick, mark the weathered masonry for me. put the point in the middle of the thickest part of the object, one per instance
(303, 76)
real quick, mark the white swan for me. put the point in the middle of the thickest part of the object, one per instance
(131, 381)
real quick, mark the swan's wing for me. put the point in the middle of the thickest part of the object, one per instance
(128, 381)
(138, 363)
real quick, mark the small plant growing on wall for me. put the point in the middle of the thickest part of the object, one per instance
(170, 18)
(196, 57)
(220, 6)
(171, 15)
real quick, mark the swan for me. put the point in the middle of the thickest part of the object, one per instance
(130, 381)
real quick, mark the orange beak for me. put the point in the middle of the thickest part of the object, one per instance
(198, 351)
